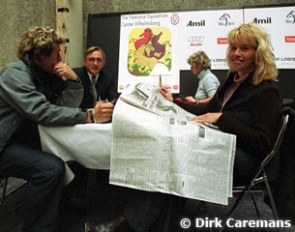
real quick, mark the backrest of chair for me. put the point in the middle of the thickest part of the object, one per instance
(278, 141)
(3, 186)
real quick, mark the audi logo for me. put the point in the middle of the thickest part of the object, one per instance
(196, 39)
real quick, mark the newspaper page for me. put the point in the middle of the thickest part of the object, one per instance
(156, 147)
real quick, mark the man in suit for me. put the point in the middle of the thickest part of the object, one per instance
(94, 62)
(84, 188)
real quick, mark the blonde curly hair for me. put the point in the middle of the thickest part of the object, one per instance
(38, 41)
(265, 67)
(199, 58)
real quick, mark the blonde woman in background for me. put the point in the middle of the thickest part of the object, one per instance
(208, 82)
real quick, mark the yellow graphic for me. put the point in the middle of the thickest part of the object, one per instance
(148, 47)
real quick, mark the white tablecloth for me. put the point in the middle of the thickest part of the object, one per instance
(88, 144)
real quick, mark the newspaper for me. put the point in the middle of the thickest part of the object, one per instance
(157, 147)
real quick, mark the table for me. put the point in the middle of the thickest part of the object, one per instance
(88, 144)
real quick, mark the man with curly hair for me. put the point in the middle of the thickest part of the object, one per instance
(40, 89)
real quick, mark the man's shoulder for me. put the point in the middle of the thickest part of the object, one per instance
(106, 74)
(15, 66)
(18, 64)
(79, 69)
(81, 72)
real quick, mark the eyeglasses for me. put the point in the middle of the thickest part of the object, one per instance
(92, 60)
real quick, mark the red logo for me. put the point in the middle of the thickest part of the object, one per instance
(166, 87)
(290, 39)
(221, 40)
(175, 87)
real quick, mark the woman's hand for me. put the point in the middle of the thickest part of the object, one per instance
(190, 99)
(166, 93)
(208, 117)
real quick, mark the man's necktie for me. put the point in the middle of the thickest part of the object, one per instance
(93, 89)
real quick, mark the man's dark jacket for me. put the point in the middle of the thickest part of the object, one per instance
(105, 87)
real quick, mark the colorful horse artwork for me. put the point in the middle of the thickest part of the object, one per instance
(159, 50)
(146, 36)
(147, 52)
(142, 60)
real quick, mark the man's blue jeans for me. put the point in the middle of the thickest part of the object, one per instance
(44, 174)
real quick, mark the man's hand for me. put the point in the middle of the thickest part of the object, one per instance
(64, 71)
(103, 111)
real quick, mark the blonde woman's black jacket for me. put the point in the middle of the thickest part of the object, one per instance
(252, 113)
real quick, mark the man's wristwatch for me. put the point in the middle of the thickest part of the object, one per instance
(91, 115)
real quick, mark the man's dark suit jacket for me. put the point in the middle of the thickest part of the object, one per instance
(105, 87)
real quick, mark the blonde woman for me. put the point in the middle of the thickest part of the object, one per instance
(248, 103)
(208, 82)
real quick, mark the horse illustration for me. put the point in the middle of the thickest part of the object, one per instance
(147, 34)
(158, 50)
(142, 60)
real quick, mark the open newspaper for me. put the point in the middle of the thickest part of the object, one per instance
(157, 147)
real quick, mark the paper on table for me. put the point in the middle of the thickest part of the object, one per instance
(156, 147)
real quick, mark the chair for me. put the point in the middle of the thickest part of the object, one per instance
(3, 185)
(260, 183)
(285, 183)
